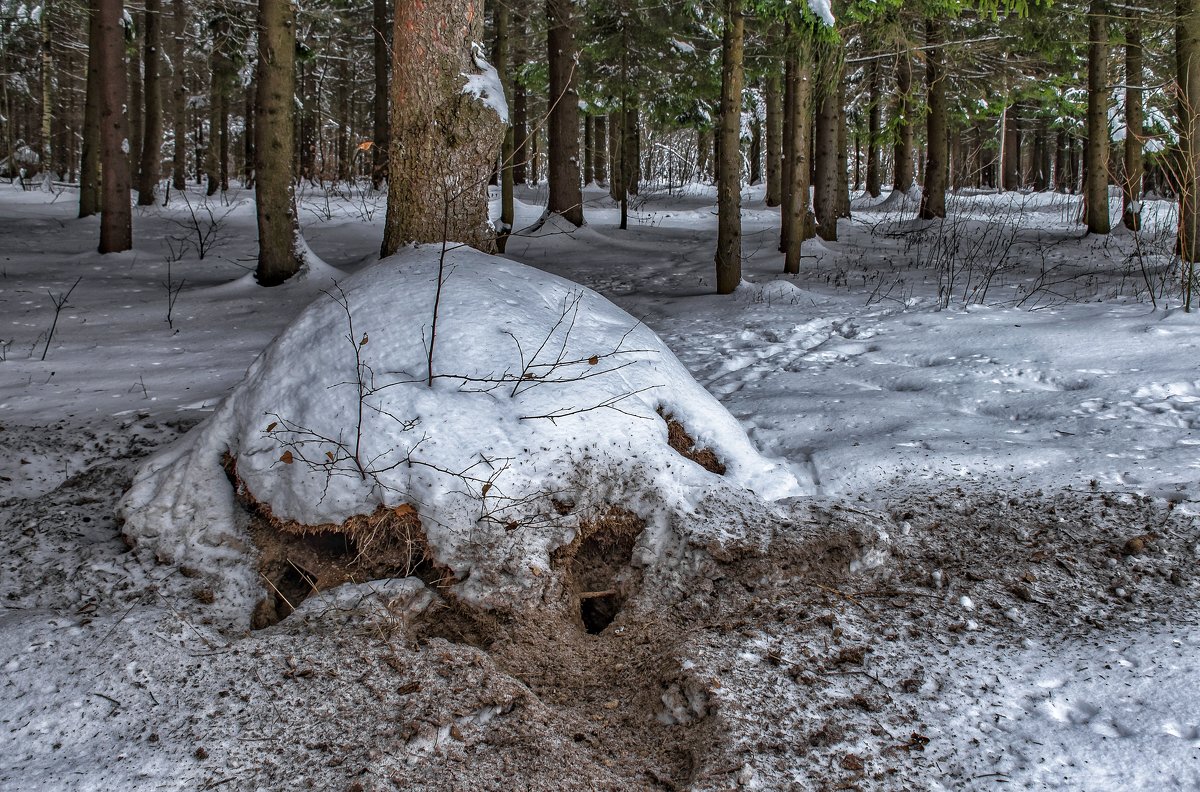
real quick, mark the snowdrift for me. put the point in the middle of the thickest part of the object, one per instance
(549, 409)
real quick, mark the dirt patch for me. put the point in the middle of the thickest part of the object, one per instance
(685, 445)
(297, 560)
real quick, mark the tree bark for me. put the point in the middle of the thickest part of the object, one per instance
(843, 152)
(1011, 169)
(444, 141)
(774, 153)
(729, 166)
(933, 195)
(874, 129)
(47, 133)
(89, 165)
(1131, 185)
(116, 222)
(279, 256)
(600, 155)
(520, 103)
(589, 149)
(825, 159)
(152, 123)
(755, 153)
(500, 15)
(566, 195)
(382, 61)
(787, 161)
(1187, 54)
(178, 96)
(903, 152)
(1097, 151)
(796, 221)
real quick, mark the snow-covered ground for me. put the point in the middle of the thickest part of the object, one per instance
(991, 581)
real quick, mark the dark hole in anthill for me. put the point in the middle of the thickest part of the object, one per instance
(599, 569)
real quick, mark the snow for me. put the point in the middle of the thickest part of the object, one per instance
(981, 436)
(485, 85)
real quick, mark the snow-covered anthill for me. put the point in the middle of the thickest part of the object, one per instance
(546, 408)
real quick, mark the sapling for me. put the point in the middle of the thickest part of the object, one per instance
(59, 301)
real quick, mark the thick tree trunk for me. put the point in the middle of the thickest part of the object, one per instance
(279, 255)
(89, 165)
(1096, 197)
(152, 129)
(382, 60)
(116, 222)
(902, 165)
(178, 96)
(1131, 185)
(444, 140)
(933, 194)
(566, 197)
(874, 129)
(729, 166)
(1187, 42)
(825, 153)
(796, 220)
(774, 100)
(136, 103)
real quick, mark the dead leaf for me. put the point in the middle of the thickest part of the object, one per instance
(593, 360)
(330, 455)
(271, 426)
(404, 510)
(364, 340)
(286, 458)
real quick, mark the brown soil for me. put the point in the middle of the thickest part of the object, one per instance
(297, 560)
(685, 445)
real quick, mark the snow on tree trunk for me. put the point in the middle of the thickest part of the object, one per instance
(446, 127)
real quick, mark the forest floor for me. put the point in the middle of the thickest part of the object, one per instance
(992, 583)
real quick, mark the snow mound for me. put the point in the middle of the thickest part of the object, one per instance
(547, 408)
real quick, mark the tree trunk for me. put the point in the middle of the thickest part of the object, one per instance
(797, 226)
(152, 124)
(248, 167)
(589, 150)
(1061, 168)
(279, 256)
(874, 128)
(843, 152)
(616, 134)
(1131, 185)
(136, 104)
(444, 141)
(1187, 41)
(825, 159)
(729, 166)
(89, 165)
(774, 100)
(47, 132)
(933, 195)
(1096, 197)
(903, 156)
(756, 144)
(379, 105)
(632, 147)
(787, 162)
(1011, 169)
(178, 96)
(116, 222)
(600, 155)
(566, 196)
(520, 103)
(500, 14)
